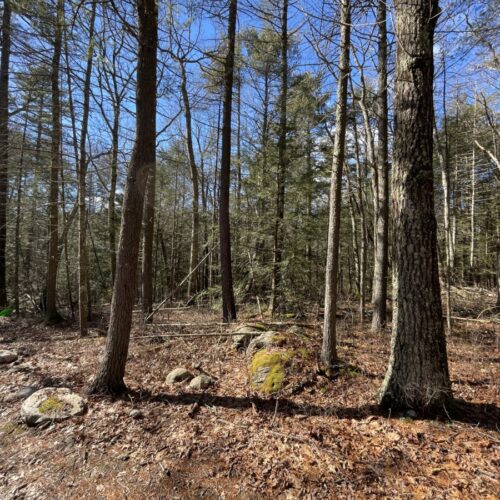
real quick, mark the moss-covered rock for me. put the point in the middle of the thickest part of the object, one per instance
(246, 334)
(267, 371)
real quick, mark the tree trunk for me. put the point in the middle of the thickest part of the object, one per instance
(228, 304)
(83, 292)
(147, 253)
(417, 376)
(110, 376)
(112, 191)
(329, 347)
(52, 314)
(381, 261)
(4, 145)
(195, 216)
(276, 294)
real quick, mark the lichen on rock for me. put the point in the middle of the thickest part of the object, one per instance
(267, 371)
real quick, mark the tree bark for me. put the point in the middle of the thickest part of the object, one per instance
(83, 292)
(381, 250)
(417, 375)
(4, 145)
(52, 315)
(147, 252)
(110, 376)
(195, 216)
(329, 346)
(228, 303)
(276, 293)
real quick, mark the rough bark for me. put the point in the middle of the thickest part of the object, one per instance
(381, 250)
(110, 376)
(147, 252)
(417, 375)
(4, 144)
(228, 303)
(52, 315)
(329, 346)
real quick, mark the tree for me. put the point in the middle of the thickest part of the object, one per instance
(329, 346)
(417, 375)
(83, 291)
(52, 315)
(109, 379)
(282, 163)
(228, 303)
(381, 261)
(4, 144)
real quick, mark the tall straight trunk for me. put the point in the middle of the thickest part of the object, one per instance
(381, 251)
(109, 379)
(444, 159)
(228, 303)
(329, 346)
(4, 145)
(112, 190)
(472, 248)
(83, 260)
(17, 235)
(52, 314)
(147, 251)
(238, 144)
(282, 163)
(417, 375)
(195, 216)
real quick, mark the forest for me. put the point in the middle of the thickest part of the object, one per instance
(249, 249)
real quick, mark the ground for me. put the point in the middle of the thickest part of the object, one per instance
(317, 438)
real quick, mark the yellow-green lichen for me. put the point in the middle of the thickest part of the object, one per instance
(51, 405)
(272, 363)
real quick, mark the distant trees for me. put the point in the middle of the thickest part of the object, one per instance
(417, 376)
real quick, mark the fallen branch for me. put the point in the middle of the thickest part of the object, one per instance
(188, 335)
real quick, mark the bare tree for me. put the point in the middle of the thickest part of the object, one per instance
(109, 379)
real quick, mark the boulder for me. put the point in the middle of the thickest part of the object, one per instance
(7, 356)
(264, 341)
(267, 371)
(246, 334)
(51, 404)
(178, 375)
(201, 382)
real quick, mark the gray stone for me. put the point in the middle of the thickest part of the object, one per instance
(247, 333)
(201, 382)
(263, 341)
(178, 375)
(26, 392)
(7, 356)
(136, 414)
(411, 414)
(52, 404)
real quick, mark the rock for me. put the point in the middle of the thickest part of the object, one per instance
(136, 414)
(201, 382)
(26, 392)
(178, 375)
(263, 341)
(51, 404)
(7, 356)
(411, 414)
(267, 371)
(247, 333)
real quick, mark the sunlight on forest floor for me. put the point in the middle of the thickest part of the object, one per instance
(318, 438)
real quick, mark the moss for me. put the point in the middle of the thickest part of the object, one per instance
(304, 353)
(51, 405)
(258, 326)
(274, 362)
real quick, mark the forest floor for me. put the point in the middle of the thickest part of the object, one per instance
(319, 438)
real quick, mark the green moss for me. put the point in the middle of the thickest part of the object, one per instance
(273, 381)
(305, 354)
(258, 326)
(51, 405)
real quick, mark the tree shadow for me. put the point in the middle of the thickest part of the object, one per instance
(484, 416)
